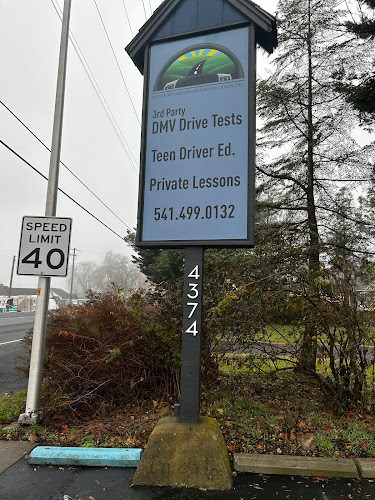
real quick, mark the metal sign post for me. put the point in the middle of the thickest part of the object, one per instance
(192, 336)
(32, 413)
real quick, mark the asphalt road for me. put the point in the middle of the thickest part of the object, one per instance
(13, 327)
(25, 482)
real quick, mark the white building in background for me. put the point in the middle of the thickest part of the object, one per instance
(24, 299)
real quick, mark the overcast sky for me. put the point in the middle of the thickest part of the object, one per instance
(29, 45)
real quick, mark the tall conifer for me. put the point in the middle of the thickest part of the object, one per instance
(306, 134)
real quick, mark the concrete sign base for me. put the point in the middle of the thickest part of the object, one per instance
(190, 455)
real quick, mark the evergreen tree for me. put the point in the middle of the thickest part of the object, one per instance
(306, 133)
(160, 266)
(359, 88)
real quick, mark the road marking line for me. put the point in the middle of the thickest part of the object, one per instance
(10, 342)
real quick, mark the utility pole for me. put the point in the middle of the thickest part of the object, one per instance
(11, 276)
(74, 255)
(9, 302)
(32, 413)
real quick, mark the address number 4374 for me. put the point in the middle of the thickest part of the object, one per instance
(193, 295)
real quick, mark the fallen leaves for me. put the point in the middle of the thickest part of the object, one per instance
(319, 479)
(264, 477)
(363, 445)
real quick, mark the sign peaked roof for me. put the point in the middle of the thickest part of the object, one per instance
(184, 17)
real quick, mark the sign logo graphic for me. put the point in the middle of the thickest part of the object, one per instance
(199, 65)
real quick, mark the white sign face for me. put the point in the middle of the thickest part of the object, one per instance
(196, 168)
(44, 246)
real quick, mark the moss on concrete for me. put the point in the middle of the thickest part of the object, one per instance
(191, 455)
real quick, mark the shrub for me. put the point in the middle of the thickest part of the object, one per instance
(110, 351)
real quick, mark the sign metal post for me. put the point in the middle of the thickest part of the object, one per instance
(32, 413)
(192, 336)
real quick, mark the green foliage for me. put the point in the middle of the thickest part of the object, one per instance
(264, 412)
(327, 446)
(113, 354)
(357, 84)
(257, 412)
(167, 268)
(160, 266)
(299, 286)
(312, 145)
(264, 322)
(11, 407)
(361, 96)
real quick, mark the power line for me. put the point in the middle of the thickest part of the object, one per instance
(144, 8)
(116, 128)
(100, 95)
(62, 191)
(127, 17)
(149, 2)
(62, 163)
(118, 65)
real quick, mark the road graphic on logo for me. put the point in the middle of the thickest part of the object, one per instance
(199, 65)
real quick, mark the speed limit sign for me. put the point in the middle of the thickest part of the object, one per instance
(44, 246)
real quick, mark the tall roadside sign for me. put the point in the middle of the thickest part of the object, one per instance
(197, 179)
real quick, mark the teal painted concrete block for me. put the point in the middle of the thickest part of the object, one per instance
(95, 457)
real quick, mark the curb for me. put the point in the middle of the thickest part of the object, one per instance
(304, 466)
(89, 457)
(12, 451)
(366, 467)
